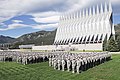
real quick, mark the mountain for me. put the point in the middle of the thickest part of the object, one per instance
(37, 38)
(6, 39)
(117, 29)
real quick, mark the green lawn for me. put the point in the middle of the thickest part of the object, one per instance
(13, 71)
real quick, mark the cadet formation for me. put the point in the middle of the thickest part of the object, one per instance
(65, 61)
(77, 62)
(23, 57)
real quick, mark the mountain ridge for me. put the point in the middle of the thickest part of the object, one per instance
(6, 39)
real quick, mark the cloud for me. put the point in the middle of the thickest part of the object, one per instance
(44, 11)
(17, 21)
(46, 17)
(51, 19)
(3, 25)
(11, 8)
(46, 26)
(115, 1)
(46, 14)
(34, 26)
(13, 26)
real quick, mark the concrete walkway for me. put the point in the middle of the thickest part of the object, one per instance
(114, 52)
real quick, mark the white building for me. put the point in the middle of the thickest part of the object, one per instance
(85, 29)
(26, 46)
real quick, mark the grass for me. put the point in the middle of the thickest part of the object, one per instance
(25, 49)
(41, 71)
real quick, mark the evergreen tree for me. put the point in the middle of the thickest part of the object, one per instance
(105, 46)
(118, 42)
(112, 45)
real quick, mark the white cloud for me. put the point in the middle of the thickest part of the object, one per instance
(46, 17)
(2, 25)
(115, 1)
(51, 19)
(11, 8)
(37, 26)
(46, 14)
(17, 21)
(44, 27)
(13, 26)
(16, 25)
(44, 11)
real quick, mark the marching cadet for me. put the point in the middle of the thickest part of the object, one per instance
(78, 65)
(85, 63)
(68, 64)
(50, 61)
(73, 65)
(59, 64)
(63, 65)
(55, 63)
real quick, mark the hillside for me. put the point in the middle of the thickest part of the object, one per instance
(6, 39)
(37, 38)
(117, 29)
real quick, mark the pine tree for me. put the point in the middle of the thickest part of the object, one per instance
(118, 42)
(112, 45)
(105, 44)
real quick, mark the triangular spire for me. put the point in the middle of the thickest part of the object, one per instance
(83, 14)
(74, 15)
(80, 14)
(60, 17)
(110, 7)
(86, 12)
(64, 16)
(101, 9)
(93, 10)
(70, 16)
(97, 9)
(106, 7)
(67, 16)
(90, 11)
(77, 14)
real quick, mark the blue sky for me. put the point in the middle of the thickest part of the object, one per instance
(18, 17)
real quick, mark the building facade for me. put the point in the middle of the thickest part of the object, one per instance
(86, 28)
(26, 46)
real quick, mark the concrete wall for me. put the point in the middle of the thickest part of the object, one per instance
(97, 46)
(46, 47)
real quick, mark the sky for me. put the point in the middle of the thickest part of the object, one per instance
(18, 17)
